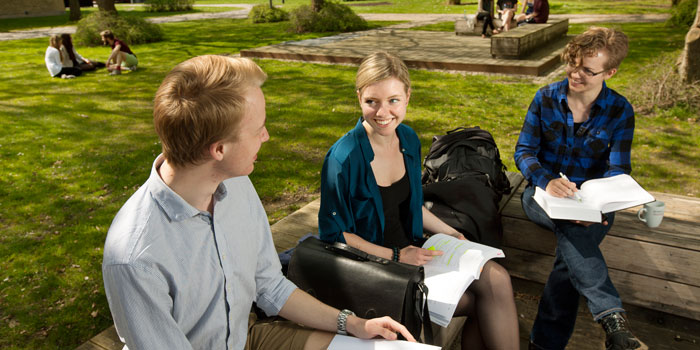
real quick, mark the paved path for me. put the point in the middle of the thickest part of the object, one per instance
(415, 19)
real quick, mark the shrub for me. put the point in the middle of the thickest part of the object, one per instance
(683, 14)
(168, 5)
(333, 17)
(662, 88)
(262, 13)
(132, 30)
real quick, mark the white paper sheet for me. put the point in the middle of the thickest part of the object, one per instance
(342, 342)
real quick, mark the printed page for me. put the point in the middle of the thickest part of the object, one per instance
(449, 275)
(615, 193)
(343, 342)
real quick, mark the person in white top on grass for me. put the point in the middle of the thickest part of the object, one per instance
(53, 60)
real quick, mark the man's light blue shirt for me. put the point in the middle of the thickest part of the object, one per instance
(180, 278)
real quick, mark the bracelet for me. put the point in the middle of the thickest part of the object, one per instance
(343, 321)
(396, 255)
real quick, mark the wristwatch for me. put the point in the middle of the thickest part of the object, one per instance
(343, 321)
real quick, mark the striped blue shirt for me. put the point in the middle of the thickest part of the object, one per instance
(600, 148)
(180, 278)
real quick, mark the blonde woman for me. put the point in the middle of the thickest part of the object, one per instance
(372, 199)
(53, 60)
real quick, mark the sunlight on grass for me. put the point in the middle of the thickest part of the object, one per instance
(72, 151)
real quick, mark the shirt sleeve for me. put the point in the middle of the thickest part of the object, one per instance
(272, 288)
(528, 146)
(334, 216)
(620, 161)
(141, 308)
(53, 61)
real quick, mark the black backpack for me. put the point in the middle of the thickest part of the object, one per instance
(464, 181)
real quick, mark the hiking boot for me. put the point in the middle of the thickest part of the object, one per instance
(618, 335)
(116, 72)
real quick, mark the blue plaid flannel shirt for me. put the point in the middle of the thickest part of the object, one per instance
(600, 148)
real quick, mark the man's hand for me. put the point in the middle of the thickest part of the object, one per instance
(383, 327)
(561, 187)
(417, 256)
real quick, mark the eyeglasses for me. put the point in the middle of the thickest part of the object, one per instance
(585, 71)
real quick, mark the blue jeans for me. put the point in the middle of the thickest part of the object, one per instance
(579, 269)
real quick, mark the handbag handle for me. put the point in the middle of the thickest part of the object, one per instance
(354, 253)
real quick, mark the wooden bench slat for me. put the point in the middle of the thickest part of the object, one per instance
(634, 256)
(650, 292)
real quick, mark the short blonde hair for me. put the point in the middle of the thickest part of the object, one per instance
(379, 66)
(55, 40)
(586, 44)
(201, 101)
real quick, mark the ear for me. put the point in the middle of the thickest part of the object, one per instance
(609, 74)
(216, 150)
(359, 96)
(408, 95)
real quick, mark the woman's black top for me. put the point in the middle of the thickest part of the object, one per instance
(395, 200)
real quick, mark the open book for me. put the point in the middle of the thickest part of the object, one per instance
(598, 196)
(344, 342)
(448, 276)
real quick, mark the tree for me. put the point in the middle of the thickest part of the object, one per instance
(74, 10)
(317, 5)
(106, 5)
(689, 68)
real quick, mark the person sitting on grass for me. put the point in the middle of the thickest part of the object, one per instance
(71, 58)
(372, 200)
(191, 250)
(575, 130)
(53, 59)
(121, 55)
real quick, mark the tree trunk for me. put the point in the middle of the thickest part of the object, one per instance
(318, 4)
(74, 10)
(106, 5)
(689, 68)
(271, 4)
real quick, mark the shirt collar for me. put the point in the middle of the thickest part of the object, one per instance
(366, 147)
(174, 206)
(600, 101)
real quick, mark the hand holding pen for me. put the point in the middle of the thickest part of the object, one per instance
(576, 195)
(562, 187)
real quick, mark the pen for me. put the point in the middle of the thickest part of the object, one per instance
(576, 195)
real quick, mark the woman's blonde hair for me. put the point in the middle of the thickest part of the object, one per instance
(613, 41)
(55, 41)
(201, 101)
(379, 66)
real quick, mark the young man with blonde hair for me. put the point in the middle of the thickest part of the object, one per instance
(121, 55)
(582, 129)
(191, 250)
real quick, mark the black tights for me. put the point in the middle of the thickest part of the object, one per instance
(488, 21)
(69, 71)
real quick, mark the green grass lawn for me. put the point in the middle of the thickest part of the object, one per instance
(469, 6)
(8, 24)
(72, 151)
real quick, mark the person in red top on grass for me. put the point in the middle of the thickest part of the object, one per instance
(121, 55)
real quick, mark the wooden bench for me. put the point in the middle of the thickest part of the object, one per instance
(521, 41)
(656, 272)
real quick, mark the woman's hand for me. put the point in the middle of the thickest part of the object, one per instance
(417, 256)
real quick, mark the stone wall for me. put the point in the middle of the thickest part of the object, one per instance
(31, 8)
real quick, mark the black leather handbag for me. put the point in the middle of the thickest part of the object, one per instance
(370, 286)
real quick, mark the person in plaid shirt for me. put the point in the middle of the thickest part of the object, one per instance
(583, 130)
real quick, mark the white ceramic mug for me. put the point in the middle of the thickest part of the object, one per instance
(652, 213)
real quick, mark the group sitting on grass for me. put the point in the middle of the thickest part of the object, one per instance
(191, 250)
(63, 60)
